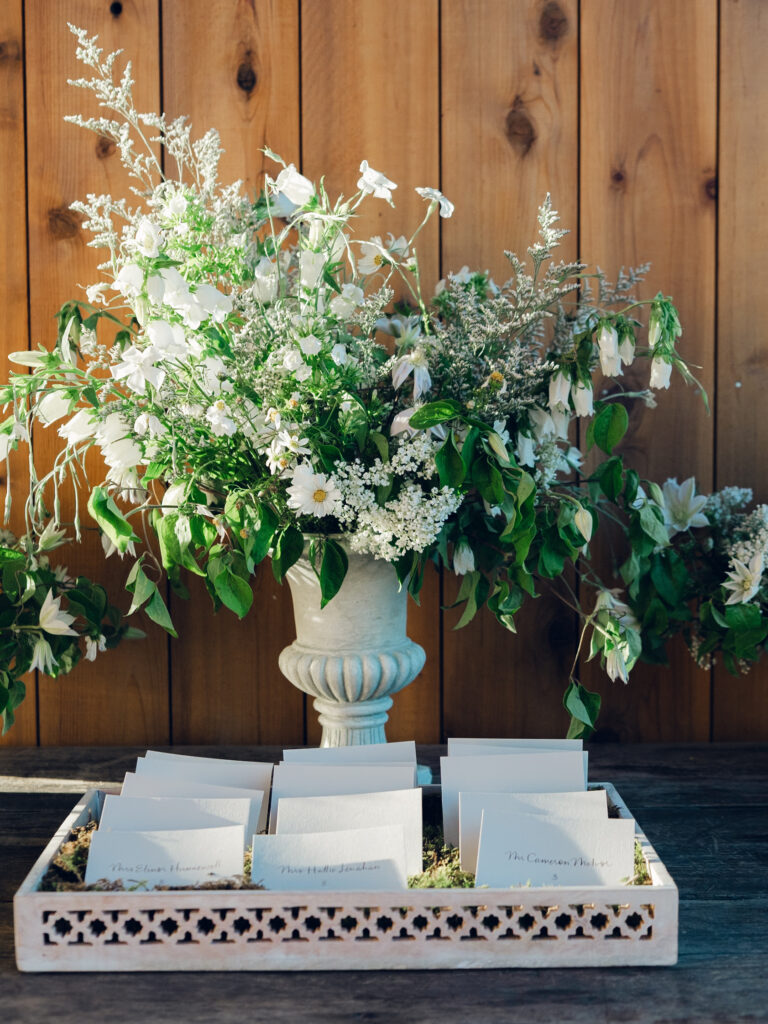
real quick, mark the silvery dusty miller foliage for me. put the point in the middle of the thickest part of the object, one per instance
(251, 388)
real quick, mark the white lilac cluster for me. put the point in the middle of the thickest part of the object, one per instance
(747, 556)
(407, 522)
(724, 507)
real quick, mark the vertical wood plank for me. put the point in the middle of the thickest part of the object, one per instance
(14, 327)
(648, 163)
(740, 710)
(226, 685)
(123, 696)
(370, 91)
(510, 135)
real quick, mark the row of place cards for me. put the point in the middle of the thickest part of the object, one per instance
(350, 818)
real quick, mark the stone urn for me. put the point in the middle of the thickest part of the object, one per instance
(352, 655)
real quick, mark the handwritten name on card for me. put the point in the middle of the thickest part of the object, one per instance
(519, 849)
(148, 859)
(367, 859)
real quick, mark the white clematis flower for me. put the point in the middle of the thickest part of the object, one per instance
(53, 620)
(93, 646)
(312, 494)
(42, 657)
(414, 362)
(436, 196)
(137, 368)
(683, 508)
(744, 580)
(375, 183)
(627, 349)
(463, 558)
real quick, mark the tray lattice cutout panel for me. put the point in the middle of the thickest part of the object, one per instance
(277, 924)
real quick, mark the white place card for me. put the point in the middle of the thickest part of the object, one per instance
(370, 859)
(335, 780)
(403, 752)
(296, 815)
(484, 750)
(518, 849)
(148, 859)
(540, 771)
(151, 785)
(214, 770)
(548, 744)
(158, 813)
(587, 804)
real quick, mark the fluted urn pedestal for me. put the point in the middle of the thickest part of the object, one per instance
(352, 655)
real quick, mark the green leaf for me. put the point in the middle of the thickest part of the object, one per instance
(333, 569)
(609, 475)
(450, 465)
(231, 589)
(432, 413)
(609, 426)
(653, 526)
(157, 611)
(488, 480)
(288, 549)
(110, 519)
(143, 589)
(381, 444)
(583, 706)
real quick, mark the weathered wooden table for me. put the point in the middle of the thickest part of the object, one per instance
(704, 808)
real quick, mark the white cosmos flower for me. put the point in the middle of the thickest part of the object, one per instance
(375, 183)
(463, 558)
(278, 459)
(559, 390)
(414, 362)
(53, 406)
(744, 580)
(310, 345)
(608, 343)
(148, 238)
(345, 304)
(137, 368)
(435, 196)
(293, 443)
(53, 620)
(583, 399)
(221, 424)
(42, 656)
(374, 256)
(312, 494)
(294, 186)
(683, 508)
(661, 372)
(130, 280)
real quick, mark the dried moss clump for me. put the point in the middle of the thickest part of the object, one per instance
(441, 865)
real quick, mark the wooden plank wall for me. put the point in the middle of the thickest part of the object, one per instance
(641, 118)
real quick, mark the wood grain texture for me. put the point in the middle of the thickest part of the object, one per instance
(648, 157)
(740, 708)
(370, 92)
(14, 326)
(225, 683)
(123, 696)
(510, 135)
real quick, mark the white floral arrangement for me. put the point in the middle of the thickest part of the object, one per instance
(252, 389)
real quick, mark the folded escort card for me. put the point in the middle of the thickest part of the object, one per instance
(213, 770)
(518, 849)
(588, 804)
(149, 859)
(365, 859)
(537, 771)
(403, 752)
(157, 813)
(335, 780)
(456, 743)
(400, 807)
(152, 785)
